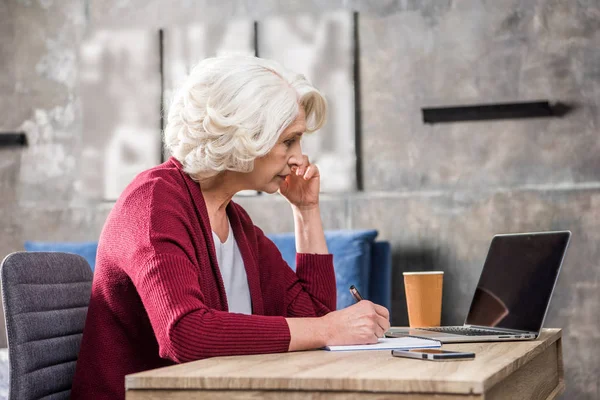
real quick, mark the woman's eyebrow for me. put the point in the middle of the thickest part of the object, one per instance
(294, 134)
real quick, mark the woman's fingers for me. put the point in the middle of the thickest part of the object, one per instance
(380, 316)
(302, 168)
(384, 325)
(381, 310)
(311, 171)
(379, 332)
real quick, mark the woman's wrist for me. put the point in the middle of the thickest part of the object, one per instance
(307, 210)
(305, 219)
(325, 330)
(310, 237)
(308, 333)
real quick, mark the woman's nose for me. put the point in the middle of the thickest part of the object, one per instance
(296, 159)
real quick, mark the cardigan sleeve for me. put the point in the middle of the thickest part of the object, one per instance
(162, 264)
(308, 292)
(186, 329)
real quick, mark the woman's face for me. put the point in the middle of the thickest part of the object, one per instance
(270, 171)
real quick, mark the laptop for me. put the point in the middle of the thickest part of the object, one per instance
(514, 290)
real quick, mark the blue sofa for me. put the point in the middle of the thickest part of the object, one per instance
(358, 259)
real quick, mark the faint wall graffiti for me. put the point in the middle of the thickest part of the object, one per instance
(321, 48)
(123, 76)
(120, 84)
(187, 45)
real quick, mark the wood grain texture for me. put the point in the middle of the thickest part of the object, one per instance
(288, 395)
(363, 371)
(535, 380)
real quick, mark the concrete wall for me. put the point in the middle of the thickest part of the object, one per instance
(438, 193)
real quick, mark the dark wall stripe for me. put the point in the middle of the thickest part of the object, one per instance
(13, 139)
(161, 57)
(256, 52)
(478, 112)
(357, 105)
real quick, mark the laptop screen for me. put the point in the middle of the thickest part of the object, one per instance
(517, 280)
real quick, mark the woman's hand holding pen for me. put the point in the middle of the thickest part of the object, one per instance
(361, 323)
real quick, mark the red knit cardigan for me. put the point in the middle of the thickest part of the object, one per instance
(158, 296)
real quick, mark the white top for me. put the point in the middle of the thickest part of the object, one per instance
(234, 275)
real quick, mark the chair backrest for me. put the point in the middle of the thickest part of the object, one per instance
(45, 297)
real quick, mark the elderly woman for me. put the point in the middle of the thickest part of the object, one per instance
(182, 273)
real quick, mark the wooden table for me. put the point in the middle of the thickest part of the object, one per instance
(507, 370)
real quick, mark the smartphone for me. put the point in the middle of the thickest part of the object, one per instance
(433, 354)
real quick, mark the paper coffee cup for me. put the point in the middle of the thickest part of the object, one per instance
(424, 297)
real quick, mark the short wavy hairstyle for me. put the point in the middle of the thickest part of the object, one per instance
(232, 109)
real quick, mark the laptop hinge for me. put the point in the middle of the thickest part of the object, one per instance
(490, 328)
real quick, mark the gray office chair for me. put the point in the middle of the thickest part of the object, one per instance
(45, 297)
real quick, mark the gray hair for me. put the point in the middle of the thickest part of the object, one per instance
(232, 109)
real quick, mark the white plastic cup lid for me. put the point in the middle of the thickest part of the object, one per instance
(423, 273)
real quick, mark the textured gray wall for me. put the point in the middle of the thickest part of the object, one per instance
(477, 52)
(438, 193)
(463, 182)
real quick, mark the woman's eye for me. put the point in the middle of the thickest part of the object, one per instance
(289, 142)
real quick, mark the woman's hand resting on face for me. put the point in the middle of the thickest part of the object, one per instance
(361, 323)
(301, 187)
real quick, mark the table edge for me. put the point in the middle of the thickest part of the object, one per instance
(137, 382)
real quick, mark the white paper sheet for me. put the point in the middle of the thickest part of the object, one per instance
(389, 344)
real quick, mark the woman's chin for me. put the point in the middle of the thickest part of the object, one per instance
(272, 187)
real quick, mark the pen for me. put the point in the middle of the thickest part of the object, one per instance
(355, 293)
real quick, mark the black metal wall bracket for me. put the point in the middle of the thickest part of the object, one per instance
(479, 112)
(13, 139)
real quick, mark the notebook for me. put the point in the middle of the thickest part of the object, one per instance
(406, 342)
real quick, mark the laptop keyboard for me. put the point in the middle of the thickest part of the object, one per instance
(460, 330)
